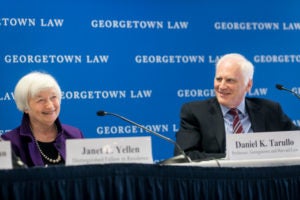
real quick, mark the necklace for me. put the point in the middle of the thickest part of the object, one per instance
(57, 160)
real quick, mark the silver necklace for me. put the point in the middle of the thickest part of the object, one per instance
(57, 160)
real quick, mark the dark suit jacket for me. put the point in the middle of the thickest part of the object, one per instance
(202, 130)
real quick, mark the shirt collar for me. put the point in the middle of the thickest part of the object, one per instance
(240, 107)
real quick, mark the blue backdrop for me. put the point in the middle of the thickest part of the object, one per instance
(143, 60)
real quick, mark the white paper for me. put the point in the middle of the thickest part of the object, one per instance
(109, 150)
(263, 145)
(5, 155)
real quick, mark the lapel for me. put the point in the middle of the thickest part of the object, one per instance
(256, 116)
(218, 128)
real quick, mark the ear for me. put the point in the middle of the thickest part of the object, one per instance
(249, 85)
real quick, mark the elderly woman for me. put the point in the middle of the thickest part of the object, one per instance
(40, 139)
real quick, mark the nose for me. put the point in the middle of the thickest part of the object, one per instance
(222, 84)
(49, 104)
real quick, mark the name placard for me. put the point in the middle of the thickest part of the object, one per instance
(109, 150)
(5, 155)
(263, 145)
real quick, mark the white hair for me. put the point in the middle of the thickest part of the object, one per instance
(31, 84)
(246, 66)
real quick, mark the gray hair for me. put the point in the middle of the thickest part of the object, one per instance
(31, 84)
(245, 65)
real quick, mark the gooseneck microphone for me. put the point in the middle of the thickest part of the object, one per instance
(280, 87)
(175, 160)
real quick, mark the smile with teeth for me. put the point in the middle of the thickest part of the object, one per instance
(223, 93)
(49, 112)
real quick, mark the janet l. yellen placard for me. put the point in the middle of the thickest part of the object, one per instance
(5, 155)
(109, 150)
(263, 145)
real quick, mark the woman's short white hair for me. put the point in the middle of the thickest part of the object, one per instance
(31, 84)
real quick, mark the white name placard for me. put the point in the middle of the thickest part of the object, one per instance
(263, 145)
(109, 150)
(5, 155)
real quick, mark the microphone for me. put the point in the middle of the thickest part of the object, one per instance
(17, 162)
(280, 87)
(176, 159)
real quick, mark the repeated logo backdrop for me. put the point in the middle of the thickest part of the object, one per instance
(143, 60)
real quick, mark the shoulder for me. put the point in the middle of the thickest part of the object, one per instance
(200, 107)
(205, 102)
(263, 105)
(12, 134)
(261, 101)
(72, 131)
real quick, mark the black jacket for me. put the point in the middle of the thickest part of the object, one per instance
(202, 130)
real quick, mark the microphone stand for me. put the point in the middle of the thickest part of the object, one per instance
(176, 159)
(280, 87)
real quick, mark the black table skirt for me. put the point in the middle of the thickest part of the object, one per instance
(144, 181)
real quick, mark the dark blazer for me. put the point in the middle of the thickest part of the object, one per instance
(202, 130)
